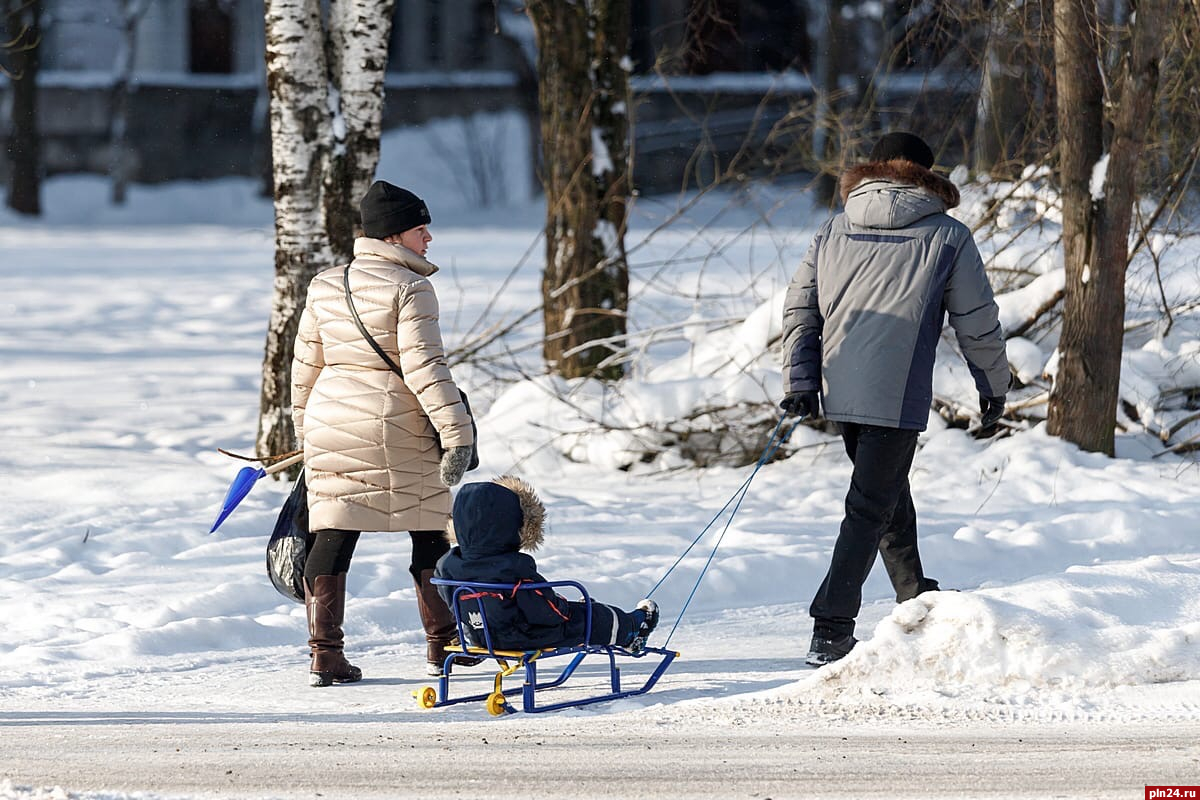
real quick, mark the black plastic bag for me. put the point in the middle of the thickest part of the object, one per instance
(288, 548)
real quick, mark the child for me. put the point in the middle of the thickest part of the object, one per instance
(489, 526)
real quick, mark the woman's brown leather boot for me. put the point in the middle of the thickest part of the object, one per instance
(325, 601)
(436, 619)
(440, 628)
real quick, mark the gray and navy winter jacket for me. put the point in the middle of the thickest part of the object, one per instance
(863, 313)
(490, 524)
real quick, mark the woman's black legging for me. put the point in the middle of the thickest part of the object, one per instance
(329, 553)
(332, 549)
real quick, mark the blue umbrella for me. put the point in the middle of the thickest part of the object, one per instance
(244, 481)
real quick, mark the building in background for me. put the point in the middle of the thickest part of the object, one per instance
(197, 99)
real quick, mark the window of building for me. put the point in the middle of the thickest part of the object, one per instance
(773, 36)
(744, 36)
(476, 45)
(433, 32)
(210, 36)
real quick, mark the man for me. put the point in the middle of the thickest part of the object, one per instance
(861, 323)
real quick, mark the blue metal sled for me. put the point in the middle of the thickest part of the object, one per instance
(512, 661)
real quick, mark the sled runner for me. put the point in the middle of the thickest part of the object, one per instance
(470, 615)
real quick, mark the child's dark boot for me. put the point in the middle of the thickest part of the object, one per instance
(645, 614)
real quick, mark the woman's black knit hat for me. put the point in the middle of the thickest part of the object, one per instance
(902, 145)
(388, 209)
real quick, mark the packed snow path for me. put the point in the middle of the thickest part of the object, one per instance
(644, 755)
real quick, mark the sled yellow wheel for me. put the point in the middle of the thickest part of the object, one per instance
(496, 704)
(428, 697)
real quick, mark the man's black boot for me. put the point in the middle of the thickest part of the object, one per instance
(827, 648)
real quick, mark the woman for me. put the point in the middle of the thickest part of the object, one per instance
(371, 458)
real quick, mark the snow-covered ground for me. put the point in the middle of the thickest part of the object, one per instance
(130, 349)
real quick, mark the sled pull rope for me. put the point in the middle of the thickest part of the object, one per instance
(736, 501)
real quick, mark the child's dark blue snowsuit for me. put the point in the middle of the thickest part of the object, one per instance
(492, 522)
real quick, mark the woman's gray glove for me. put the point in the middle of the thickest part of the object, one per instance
(454, 464)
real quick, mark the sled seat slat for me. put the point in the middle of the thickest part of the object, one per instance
(483, 651)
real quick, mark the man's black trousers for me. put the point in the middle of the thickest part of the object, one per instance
(880, 518)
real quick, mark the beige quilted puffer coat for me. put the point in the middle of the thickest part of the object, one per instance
(370, 459)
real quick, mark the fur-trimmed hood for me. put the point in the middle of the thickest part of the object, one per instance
(533, 511)
(894, 194)
(903, 172)
(501, 515)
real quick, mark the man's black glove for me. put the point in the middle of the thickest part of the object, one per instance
(801, 404)
(991, 409)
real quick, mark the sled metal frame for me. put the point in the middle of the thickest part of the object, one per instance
(512, 661)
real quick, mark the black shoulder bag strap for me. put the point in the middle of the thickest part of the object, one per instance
(363, 328)
(396, 369)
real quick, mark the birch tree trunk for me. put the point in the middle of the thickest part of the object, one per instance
(583, 90)
(120, 159)
(1096, 219)
(356, 51)
(1014, 90)
(23, 23)
(1001, 108)
(824, 46)
(325, 77)
(516, 33)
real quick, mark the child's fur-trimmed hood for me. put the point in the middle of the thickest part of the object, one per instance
(532, 513)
